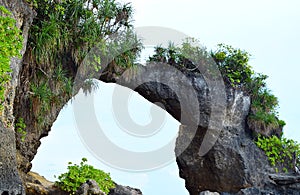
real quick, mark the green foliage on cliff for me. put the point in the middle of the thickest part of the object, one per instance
(264, 113)
(185, 57)
(10, 46)
(78, 174)
(43, 94)
(236, 71)
(61, 36)
(234, 66)
(281, 152)
(74, 27)
(20, 128)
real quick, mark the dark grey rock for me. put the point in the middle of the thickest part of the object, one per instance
(90, 187)
(10, 182)
(124, 190)
(285, 179)
(234, 165)
(208, 193)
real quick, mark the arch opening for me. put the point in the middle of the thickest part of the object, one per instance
(64, 142)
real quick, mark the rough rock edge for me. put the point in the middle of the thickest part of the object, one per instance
(37, 184)
(10, 182)
(234, 165)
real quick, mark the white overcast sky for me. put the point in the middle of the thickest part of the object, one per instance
(268, 29)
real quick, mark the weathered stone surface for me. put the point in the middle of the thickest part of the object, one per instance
(90, 187)
(36, 184)
(177, 91)
(225, 167)
(285, 179)
(208, 193)
(124, 190)
(10, 182)
(234, 165)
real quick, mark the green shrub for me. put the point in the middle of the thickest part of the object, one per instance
(20, 128)
(233, 64)
(236, 71)
(43, 94)
(62, 34)
(10, 46)
(263, 114)
(280, 151)
(74, 27)
(186, 57)
(79, 174)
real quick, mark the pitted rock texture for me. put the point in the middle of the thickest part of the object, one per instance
(124, 190)
(234, 165)
(10, 182)
(36, 184)
(90, 187)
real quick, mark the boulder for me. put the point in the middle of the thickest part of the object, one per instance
(38, 185)
(124, 190)
(90, 187)
(234, 165)
(208, 193)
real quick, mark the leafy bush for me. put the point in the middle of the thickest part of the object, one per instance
(62, 34)
(186, 57)
(74, 27)
(233, 64)
(281, 152)
(20, 128)
(42, 94)
(79, 174)
(264, 115)
(10, 46)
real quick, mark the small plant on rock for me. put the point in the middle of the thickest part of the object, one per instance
(233, 64)
(20, 128)
(79, 174)
(281, 152)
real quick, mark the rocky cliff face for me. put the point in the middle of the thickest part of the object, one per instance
(10, 181)
(233, 164)
(214, 148)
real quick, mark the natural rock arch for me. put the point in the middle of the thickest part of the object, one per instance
(214, 168)
(234, 164)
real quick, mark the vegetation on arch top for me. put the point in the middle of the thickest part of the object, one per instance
(61, 36)
(74, 27)
(234, 66)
